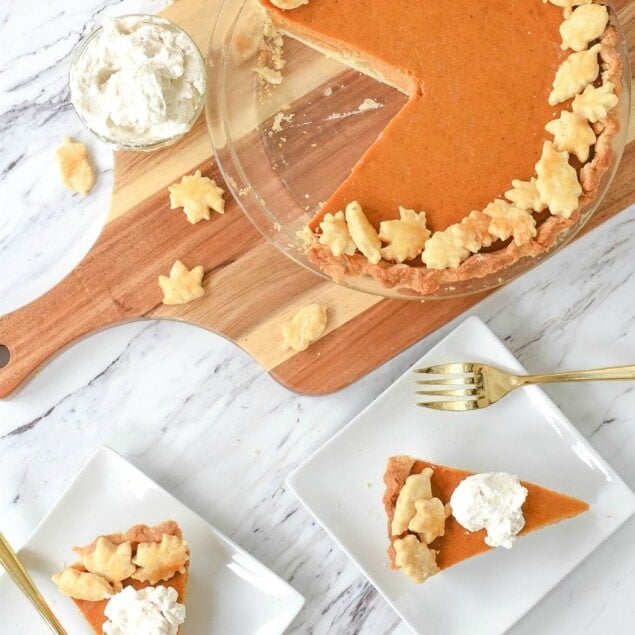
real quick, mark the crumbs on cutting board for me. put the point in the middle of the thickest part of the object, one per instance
(369, 104)
(365, 106)
(279, 117)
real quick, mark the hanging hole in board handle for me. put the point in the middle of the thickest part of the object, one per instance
(4, 355)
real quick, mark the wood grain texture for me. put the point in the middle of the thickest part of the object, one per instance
(251, 287)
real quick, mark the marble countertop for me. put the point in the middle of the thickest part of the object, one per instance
(195, 413)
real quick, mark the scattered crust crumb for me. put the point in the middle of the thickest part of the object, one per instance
(197, 195)
(276, 126)
(369, 104)
(182, 285)
(75, 168)
(305, 327)
(269, 75)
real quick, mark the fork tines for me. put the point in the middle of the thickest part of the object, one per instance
(461, 385)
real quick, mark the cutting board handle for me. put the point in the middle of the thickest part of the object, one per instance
(31, 335)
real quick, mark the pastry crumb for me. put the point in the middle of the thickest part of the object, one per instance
(369, 104)
(305, 327)
(75, 168)
(276, 126)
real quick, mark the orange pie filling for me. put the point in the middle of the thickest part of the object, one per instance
(504, 139)
(425, 536)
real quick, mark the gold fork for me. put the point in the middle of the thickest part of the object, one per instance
(471, 385)
(10, 561)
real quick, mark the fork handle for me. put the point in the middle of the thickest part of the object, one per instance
(10, 561)
(614, 373)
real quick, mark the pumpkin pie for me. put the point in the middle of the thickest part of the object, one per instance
(496, 151)
(141, 557)
(450, 543)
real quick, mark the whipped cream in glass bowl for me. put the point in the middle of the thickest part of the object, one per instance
(138, 82)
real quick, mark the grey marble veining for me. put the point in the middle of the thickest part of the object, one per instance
(195, 413)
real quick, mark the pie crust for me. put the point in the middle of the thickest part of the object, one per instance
(370, 36)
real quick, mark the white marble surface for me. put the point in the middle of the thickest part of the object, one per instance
(196, 414)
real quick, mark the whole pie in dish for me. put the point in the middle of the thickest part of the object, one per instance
(425, 537)
(143, 558)
(504, 139)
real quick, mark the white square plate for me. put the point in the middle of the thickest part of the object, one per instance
(525, 434)
(229, 592)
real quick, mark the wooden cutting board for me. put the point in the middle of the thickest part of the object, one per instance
(251, 287)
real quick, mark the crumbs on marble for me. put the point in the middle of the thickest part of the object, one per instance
(75, 169)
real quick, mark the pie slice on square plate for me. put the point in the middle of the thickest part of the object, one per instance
(450, 542)
(143, 558)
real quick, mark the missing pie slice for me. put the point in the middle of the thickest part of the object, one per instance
(143, 558)
(421, 555)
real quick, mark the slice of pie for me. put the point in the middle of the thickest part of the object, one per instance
(141, 558)
(498, 148)
(439, 541)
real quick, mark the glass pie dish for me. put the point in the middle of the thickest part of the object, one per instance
(284, 148)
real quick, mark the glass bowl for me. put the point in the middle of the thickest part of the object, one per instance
(279, 168)
(127, 141)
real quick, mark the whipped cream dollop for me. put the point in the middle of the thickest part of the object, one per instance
(139, 80)
(492, 501)
(149, 611)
